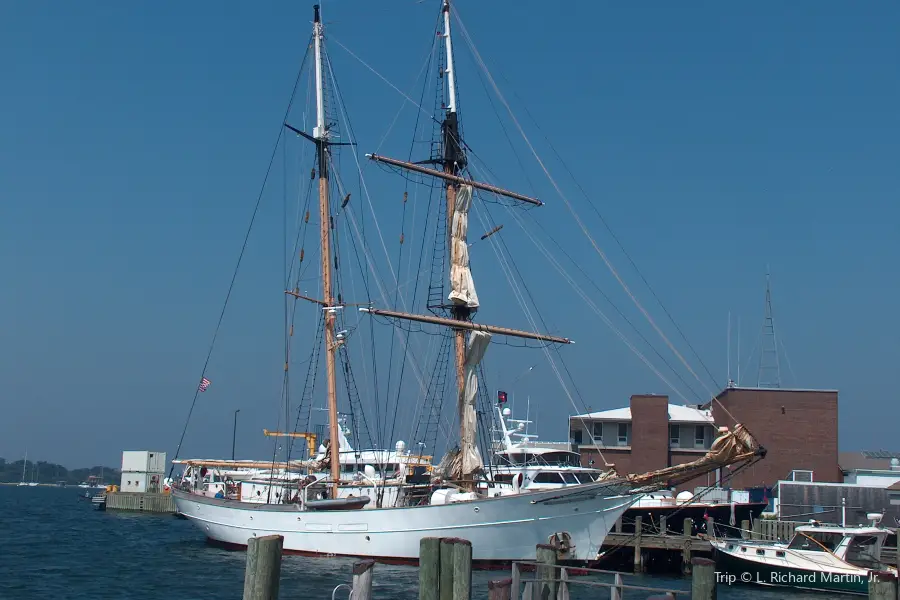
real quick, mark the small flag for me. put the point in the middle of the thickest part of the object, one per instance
(501, 397)
(204, 383)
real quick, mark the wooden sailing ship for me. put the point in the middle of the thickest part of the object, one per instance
(501, 527)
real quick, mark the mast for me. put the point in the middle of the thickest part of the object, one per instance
(454, 162)
(320, 134)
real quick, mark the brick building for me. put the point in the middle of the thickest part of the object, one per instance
(797, 427)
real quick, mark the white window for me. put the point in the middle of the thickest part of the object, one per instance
(623, 434)
(674, 436)
(598, 433)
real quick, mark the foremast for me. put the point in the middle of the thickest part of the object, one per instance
(320, 137)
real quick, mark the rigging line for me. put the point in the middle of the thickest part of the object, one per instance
(787, 359)
(384, 79)
(494, 244)
(609, 300)
(574, 213)
(619, 243)
(237, 267)
(601, 314)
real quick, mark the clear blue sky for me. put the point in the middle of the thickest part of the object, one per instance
(714, 139)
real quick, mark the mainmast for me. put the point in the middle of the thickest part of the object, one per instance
(463, 298)
(320, 135)
(454, 162)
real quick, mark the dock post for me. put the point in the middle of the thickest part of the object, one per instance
(446, 569)
(616, 591)
(686, 531)
(882, 585)
(462, 569)
(703, 579)
(546, 573)
(499, 590)
(618, 528)
(710, 527)
(429, 568)
(263, 573)
(663, 527)
(745, 529)
(362, 580)
(638, 527)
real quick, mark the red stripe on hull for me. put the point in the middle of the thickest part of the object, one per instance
(481, 565)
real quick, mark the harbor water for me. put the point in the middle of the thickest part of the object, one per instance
(56, 545)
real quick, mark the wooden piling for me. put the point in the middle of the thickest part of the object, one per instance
(663, 527)
(638, 527)
(500, 590)
(882, 585)
(263, 571)
(703, 579)
(546, 572)
(362, 580)
(710, 527)
(687, 530)
(745, 529)
(462, 569)
(446, 577)
(430, 568)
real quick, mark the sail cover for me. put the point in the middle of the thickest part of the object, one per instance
(471, 459)
(462, 287)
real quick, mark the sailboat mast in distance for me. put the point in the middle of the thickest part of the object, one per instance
(320, 134)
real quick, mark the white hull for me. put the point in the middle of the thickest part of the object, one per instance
(500, 529)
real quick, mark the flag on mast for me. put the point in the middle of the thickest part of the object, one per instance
(204, 383)
(501, 397)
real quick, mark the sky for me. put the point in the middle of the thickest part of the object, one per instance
(717, 142)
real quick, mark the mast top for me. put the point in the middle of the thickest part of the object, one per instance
(316, 14)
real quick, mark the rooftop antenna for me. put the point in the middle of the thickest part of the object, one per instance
(769, 373)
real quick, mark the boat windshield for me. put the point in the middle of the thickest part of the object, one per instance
(815, 541)
(553, 459)
(865, 551)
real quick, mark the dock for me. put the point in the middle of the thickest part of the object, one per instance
(140, 501)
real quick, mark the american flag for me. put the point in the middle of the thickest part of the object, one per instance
(204, 383)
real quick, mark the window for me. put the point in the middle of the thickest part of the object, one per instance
(674, 436)
(760, 552)
(584, 477)
(864, 551)
(815, 541)
(575, 436)
(623, 434)
(779, 553)
(700, 436)
(569, 477)
(598, 432)
(548, 477)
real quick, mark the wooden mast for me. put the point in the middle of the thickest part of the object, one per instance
(320, 134)
(454, 161)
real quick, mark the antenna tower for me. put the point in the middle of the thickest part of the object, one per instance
(769, 374)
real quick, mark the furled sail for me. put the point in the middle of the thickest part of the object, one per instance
(462, 287)
(470, 462)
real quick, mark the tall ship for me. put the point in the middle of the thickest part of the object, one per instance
(339, 500)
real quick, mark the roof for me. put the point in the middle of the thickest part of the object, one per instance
(677, 414)
(866, 460)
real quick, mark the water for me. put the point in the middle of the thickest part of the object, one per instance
(57, 546)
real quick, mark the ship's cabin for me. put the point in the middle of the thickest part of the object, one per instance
(859, 546)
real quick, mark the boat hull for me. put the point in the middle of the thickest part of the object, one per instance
(734, 569)
(501, 529)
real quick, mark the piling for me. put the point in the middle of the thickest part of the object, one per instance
(362, 580)
(638, 527)
(745, 529)
(261, 578)
(430, 568)
(882, 585)
(616, 591)
(688, 527)
(446, 573)
(703, 579)
(462, 569)
(500, 590)
(546, 572)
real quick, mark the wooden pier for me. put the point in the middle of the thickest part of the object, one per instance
(645, 542)
(137, 501)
